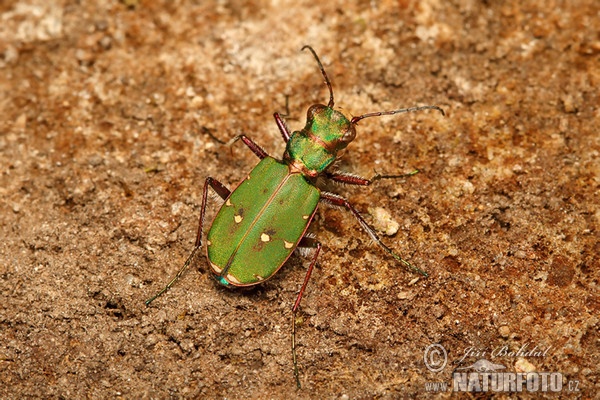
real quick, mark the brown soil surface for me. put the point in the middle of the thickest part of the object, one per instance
(110, 112)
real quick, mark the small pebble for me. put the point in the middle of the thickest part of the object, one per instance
(383, 221)
(504, 331)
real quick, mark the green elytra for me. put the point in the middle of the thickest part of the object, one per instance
(255, 231)
(265, 218)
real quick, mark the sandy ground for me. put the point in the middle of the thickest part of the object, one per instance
(110, 111)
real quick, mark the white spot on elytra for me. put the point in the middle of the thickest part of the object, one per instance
(264, 237)
(208, 242)
(238, 218)
(287, 244)
(217, 270)
(228, 203)
(305, 216)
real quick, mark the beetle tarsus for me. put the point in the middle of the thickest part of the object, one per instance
(176, 278)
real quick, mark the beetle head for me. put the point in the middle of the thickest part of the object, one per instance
(329, 127)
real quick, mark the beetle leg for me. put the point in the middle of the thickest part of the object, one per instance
(256, 149)
(285, 133)
(339, 201)
(351, 179)
(224, 193)
(304, 242)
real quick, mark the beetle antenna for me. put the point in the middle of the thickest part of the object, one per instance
(330, 104)
(355, 120)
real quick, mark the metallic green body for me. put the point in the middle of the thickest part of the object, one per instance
(266, 217)
(260, 224)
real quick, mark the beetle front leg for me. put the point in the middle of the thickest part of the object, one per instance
(285, 132)
(311, 243)
(258, 150)
(252, 145)
(351, 179)
(224, 193)
(339, 201)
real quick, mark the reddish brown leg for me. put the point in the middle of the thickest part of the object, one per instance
(224, 193)
(256, 149)
(336, 200)
(350, 179)
(285, 133)
(313, 243)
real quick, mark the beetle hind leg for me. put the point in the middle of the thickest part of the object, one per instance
(222, 191)
(305, 243)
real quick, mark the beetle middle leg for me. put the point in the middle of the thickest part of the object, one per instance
(351, 179)
(305, 242)
(339, 201)
(224, 193)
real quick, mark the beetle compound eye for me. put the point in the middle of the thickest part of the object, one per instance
(313, 110)
(349, 135)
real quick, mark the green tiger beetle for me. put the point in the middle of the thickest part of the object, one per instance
(265, 218)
